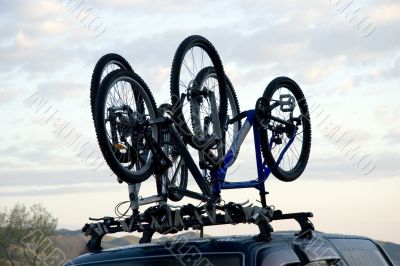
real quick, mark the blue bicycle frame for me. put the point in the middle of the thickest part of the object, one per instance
(263, 171)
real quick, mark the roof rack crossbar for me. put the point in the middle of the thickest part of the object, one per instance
(166, 219)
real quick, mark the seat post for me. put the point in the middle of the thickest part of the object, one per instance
(133, 196)
(263, 194)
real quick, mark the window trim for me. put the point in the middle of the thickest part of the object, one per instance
(242, 255)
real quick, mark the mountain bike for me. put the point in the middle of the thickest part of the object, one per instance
(177, 175)
(135, 137)
(282, 123)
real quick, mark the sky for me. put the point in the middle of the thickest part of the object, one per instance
(345, 55)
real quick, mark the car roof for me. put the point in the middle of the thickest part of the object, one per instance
(226, 244)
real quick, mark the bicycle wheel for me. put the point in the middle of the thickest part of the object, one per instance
(124, 108)
(231, 130)
(177, 174)
(105, 65)
(192, 55)
(285, 100)
(201, 116)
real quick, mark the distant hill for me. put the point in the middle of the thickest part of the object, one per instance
(66, 232)
(187, 235)
(73, 243)
(112, 242)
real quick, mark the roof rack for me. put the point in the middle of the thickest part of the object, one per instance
(167, 219)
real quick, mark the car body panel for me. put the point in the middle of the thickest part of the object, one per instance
(284, 248)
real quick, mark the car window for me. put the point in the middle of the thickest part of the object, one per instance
(277, 255)
(359, 252)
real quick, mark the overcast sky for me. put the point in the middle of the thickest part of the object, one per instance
(344, 54)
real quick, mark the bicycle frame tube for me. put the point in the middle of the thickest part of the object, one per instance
(219, 174)
(189, 160)
(262, 171)
(134, 189)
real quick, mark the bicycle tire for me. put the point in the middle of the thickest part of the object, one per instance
(97, 75)
(101, 131)
(233, 100)
(190, 42)
(98, 72)
(233, 108)
(277, 171)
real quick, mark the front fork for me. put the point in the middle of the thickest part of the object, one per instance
(217, 136)
(162, 156)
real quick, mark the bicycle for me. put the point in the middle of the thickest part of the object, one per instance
(136, 142)
(105, 65)
(267, 122)
(112, 62)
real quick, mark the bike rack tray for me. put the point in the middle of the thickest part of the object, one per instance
(166, 219)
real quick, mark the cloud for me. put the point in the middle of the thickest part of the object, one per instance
(63, 89)
(48, 190)
(322, 69)
(158, 6)
(393, 71)
(34, 37)
(66, 176)
(386, 13)
(386, 114)
(44, 48)
(29, 54)
(339, 168)
(387, 165)
(8, 94)
(392, 137)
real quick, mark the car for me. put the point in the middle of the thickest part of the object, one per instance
(282, 249)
